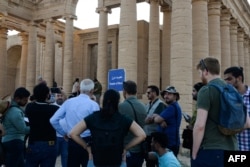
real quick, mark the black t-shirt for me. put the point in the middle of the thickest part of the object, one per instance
(39, 115)
(107, 137)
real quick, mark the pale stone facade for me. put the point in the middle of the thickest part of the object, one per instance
(150, 53)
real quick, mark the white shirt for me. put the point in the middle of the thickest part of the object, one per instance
(75, 87)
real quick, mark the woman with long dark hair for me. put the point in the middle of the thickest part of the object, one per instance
(108, 128)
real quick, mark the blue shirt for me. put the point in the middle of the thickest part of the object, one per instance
(72, 112)
(172, 116)
(168, 160)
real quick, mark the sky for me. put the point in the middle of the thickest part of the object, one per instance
(88, 18)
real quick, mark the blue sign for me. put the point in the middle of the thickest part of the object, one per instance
(116, 77)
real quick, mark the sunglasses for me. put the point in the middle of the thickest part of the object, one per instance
(203, 65)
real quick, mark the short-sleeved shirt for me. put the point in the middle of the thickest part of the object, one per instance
(168, 160)
(209, 100)
(172, 116)
(126, 109)
(95, 122)
(124, 122)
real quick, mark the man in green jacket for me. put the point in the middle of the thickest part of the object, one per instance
(16, 129)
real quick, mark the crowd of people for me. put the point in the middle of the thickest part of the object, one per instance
(126, 133)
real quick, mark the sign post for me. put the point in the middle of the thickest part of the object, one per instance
(116, 77)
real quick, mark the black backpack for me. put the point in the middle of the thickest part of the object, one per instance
(107, 141)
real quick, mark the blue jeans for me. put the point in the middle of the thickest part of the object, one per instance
(134, 159)
(208, 158)
(62, 149)
(41, 153)
(76, 154)
(14, 153)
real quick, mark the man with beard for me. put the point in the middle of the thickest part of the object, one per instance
(209, 143)
(196, 89)
(155, 106)
(135, 110)
(61, 141)
(14, 125)
(160, 151)
(169, 120)
(235, 77)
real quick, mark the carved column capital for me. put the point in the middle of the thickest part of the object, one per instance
(3, 32)
(240, 34)
(214, 7)
(42, 39)
(165, 3)
(60, 45)
(246, 40)
(50, 20)
(225, 17)
(73, 17)
(152, 1)
(166, 8)
(24, 36)
(3, 23)
(33, 23)
(199, 0)
(103, 9)
(233, 25)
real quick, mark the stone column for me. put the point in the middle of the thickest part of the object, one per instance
(68, 54)
(49, 56)
(23, 61)
(166, 45)
(246, 60)
(233, 43)
(214, 7)
(31, 62)
(154, 45)
(3, 59)
(225, 38)
(200, 34)
(240, 45)
(102, 66)
(181, 51)
(59, 63)
(127, 50)
(40, 57)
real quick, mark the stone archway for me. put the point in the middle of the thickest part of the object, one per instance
(13, 67)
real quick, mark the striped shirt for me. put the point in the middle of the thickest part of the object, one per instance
(244, 136)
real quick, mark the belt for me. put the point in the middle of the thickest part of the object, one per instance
(50, 142)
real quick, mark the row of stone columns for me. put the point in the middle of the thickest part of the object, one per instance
(48, 60)
(31, 59)
(192, 29)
